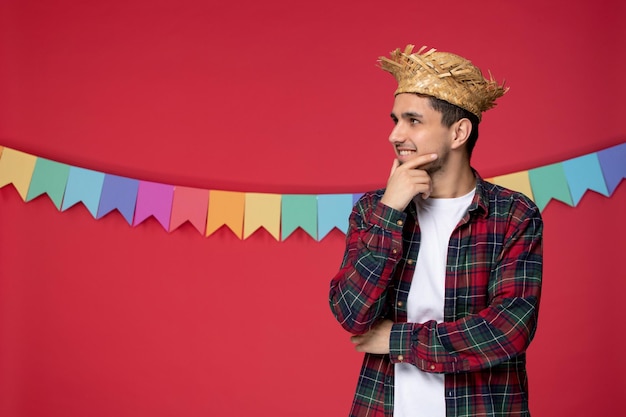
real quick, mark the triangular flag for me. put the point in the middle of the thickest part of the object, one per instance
(262, 210)
(118, 193)
(83, 185)
(225, 208)
(613, 163)
(49, 177)
(190, 204)
(584, 173)
(517, 181)
(333, 211)
(17, 168)
(154, 199)
(356, 197)
(549, 182)
(299, 211)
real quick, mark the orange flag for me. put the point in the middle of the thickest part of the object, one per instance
(225, 208)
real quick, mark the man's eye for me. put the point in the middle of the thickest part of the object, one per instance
(414, 121)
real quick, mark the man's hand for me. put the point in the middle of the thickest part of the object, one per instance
(407, 180)
(376, 340)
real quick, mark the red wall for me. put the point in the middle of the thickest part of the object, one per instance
(99, 318)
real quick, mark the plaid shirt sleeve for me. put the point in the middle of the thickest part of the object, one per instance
(373, 249)
(504, 328)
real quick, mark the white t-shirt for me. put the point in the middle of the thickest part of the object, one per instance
(419, 393)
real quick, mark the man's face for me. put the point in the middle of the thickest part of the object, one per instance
(418, 131)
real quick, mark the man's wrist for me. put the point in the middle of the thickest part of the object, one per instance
(400, 343)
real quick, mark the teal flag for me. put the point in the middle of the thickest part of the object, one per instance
(298, 211)
(50, 178)
(584, 173)
(333, 211)
(549, 182)
(83, 185)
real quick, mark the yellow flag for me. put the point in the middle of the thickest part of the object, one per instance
(262, 210)
(518, 181)
(17, 168)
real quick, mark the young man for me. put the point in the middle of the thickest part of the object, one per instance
(441, 276)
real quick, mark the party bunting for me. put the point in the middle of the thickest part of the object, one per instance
(549, 182)
(518, 181)
(83, 186)
(299, 211)
(50, 178)
(613, 163)
(192, 205)
(154, 199)
(226, 209)
(584, 173)
(262, 210)
(280, 215)
(17, 168)
(118, 193)
(333, 211)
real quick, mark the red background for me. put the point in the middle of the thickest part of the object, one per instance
(99, 318)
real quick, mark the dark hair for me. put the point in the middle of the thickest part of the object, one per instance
(451, 114)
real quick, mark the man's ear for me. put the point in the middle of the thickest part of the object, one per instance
(460, 133)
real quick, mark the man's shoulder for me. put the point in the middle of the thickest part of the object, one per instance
(499, 199)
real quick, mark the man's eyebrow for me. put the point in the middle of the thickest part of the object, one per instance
(408, 115)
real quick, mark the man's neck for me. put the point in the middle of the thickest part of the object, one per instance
(453, 182)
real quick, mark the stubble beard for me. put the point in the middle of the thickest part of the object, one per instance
(437, 167)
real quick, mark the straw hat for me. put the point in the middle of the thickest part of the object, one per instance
(443, 75)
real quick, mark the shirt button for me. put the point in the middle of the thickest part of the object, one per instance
(410, 262)
(400, 358)
(432, 367)
(400, 303)
(394, 251)
(399, 222)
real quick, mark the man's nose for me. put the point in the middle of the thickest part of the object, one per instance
(398, 134)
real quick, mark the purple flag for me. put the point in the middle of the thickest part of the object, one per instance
(118, 193)
(613, 163)
(154, 199)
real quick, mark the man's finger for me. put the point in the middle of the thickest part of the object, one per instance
(418, 161)
(395, 165)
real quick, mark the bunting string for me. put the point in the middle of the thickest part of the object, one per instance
(279, 214)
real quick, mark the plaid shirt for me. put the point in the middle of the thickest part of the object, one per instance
(492, 291)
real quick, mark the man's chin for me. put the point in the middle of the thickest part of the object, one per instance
(404, 159)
